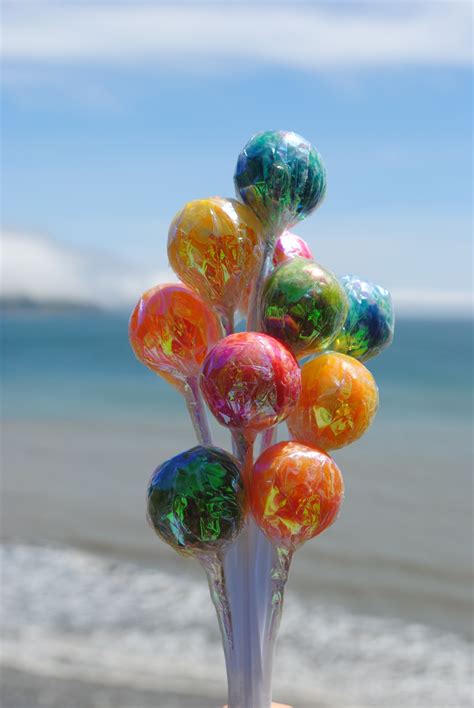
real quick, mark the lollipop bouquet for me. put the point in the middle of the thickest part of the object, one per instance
(243, 515)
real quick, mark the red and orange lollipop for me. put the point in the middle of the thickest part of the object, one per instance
(295, 493)
(171, 330)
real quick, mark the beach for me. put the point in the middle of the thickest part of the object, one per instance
(99, 612)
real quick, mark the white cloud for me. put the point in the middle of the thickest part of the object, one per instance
(305, 36)
(433, 302)
(41, 269)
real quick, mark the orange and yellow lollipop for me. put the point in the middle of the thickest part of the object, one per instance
(215, 246)
(338, 401)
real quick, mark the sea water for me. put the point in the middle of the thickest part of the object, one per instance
(378, 609)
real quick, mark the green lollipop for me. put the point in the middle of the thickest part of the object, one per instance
(196, 501)
(303, 305)
(281, 177)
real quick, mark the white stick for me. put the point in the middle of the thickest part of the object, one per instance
(197, 411)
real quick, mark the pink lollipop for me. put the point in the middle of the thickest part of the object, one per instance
(250, 381)
(289, 246)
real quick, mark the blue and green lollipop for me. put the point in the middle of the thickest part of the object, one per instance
(369, 325)
(281, 177)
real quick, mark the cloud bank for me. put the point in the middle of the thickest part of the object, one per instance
(298, 35)
(43, 270)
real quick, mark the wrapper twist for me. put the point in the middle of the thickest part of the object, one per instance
(288, 246)
(250, 381)
(171, 330)
(303, 305)
(216, 247)
(369, 325)
(338, 401)
(196, 500)
(281, 177)
(295, 493)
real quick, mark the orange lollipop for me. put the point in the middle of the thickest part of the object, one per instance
(295, 493)
(338, 401)
(171, 330)
(215, 246)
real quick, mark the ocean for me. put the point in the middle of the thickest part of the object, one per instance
(97, 612)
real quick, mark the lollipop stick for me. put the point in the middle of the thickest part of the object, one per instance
(242, 447)
(227, 319)
(214, 568)
(246, 616)
(263, 548)
(268, 438)
(263, 570)
(279, 575)
(252, 317)
(197, 411)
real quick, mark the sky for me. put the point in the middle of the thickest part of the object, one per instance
(114, 114)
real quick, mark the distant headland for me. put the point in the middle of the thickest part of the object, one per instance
(26, 304)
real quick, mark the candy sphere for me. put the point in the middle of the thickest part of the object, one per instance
(250, 381)
(338, 401)
(216, 246)
(288, 246)
(171, 330)
(303, 305)
(196, 500)
(281, 177)
(295, 493)
(369, 325)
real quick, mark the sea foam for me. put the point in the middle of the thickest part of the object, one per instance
(75, 615)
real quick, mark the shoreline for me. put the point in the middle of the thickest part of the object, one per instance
(82, 485)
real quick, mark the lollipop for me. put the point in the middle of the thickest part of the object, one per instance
(171, 330)
(196, 504)
(196, 501)
(288, 246)
(338, 401)
(215, 246)
(303, 305)
(281, 177)
(369, 325)
(295, 493)
(250, 381)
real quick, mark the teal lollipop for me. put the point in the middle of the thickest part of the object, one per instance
(281, 177)
(303, 305)
(369, 325)
(196, 501)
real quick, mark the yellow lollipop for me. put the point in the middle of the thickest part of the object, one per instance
(215, 246)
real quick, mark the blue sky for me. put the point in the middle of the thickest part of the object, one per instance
(116, 114)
